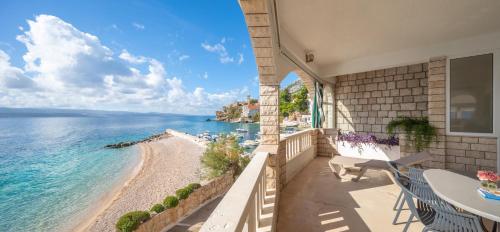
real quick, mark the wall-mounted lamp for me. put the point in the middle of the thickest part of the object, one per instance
(309, 57)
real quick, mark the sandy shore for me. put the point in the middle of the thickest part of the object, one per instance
(167, 164)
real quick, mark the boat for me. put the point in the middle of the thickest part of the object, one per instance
(289, 130)
(241, 130)
(249, 143)
(291, 123)
(237, 135)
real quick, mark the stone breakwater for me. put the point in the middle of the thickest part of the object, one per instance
(151, 138)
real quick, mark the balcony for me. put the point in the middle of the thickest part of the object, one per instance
(306, 196)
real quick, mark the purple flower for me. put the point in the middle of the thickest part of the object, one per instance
(356, 140)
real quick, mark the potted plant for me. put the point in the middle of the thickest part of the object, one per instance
(417, 130)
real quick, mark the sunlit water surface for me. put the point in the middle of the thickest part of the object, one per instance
(53, 168)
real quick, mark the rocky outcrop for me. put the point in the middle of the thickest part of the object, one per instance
(130, 143)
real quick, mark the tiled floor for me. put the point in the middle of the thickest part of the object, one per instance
(316, 201)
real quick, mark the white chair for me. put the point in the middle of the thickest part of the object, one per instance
(435, 213)
(413, 175)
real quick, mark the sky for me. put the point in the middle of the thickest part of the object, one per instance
(188, 57)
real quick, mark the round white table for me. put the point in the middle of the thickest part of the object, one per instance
(461, 191)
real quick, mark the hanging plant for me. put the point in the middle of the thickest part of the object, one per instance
(418, 130)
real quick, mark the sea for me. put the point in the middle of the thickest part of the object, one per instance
(53, 164)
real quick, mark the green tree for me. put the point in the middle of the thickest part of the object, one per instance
(222, 156)
(286, 106)
(300, 100)
(256, 117)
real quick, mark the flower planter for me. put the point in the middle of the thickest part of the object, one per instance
(368, 151)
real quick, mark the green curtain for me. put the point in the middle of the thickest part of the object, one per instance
(317, 109)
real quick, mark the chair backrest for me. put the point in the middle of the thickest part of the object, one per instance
(446, 217)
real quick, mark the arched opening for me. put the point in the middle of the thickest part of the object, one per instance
(294, 103)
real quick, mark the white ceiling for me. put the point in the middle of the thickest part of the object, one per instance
(340, 31)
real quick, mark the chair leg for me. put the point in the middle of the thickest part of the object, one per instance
(397, 200)
(400, 208)
(335, 169)
(408, 223)
(360, 174)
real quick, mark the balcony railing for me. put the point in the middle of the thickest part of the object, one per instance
(297, 143)
(247, 206)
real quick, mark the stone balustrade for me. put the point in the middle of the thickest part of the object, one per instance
(248, 205)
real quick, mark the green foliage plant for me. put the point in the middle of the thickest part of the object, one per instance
(222, 156)
(417, 130)
(296, 102)
(131, 220)
(183, 193)
(170, 202)
(194, 186)
(157, 208)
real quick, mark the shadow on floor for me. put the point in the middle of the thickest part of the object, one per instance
(317, 201)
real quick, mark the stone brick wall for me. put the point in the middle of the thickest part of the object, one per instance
(326, 142)
(437, 110)
(366, 102)
(204, 194)
(470, 153)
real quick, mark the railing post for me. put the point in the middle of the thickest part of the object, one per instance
(251, 219)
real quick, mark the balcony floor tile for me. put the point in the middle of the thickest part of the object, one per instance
(316, 201)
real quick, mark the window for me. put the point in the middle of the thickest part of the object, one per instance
(471, 94)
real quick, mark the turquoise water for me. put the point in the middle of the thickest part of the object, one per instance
(53, 168)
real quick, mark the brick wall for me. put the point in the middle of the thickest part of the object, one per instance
(366, 102)
(471, 153)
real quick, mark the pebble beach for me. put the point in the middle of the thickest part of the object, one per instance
(166, 165)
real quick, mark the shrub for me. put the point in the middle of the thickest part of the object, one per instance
(158, 208)
(131, 220)
(222, 156)
(170, 202)
(183, 193)
(418, 131)
(194, 186)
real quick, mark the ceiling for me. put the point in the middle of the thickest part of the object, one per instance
(339, 31)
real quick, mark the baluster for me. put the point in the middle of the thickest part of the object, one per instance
(259, 201)
(299, 138)
(251, 219)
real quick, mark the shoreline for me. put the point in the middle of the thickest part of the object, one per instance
(153, 166)
(114, 194)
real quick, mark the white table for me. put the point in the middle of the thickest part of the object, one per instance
(461, 191)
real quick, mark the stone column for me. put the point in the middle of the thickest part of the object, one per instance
(269, 114)
(437, 109)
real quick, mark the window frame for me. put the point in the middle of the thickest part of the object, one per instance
(496, 93)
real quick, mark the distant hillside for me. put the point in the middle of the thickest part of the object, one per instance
(294, 86)
(52, 112)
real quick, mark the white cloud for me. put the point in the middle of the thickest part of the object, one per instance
(12, 77)
(138, 26)
(219, 49)
(125, 55)
(183, 57)
(241, 59)
(205, 76)
(65, 67)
